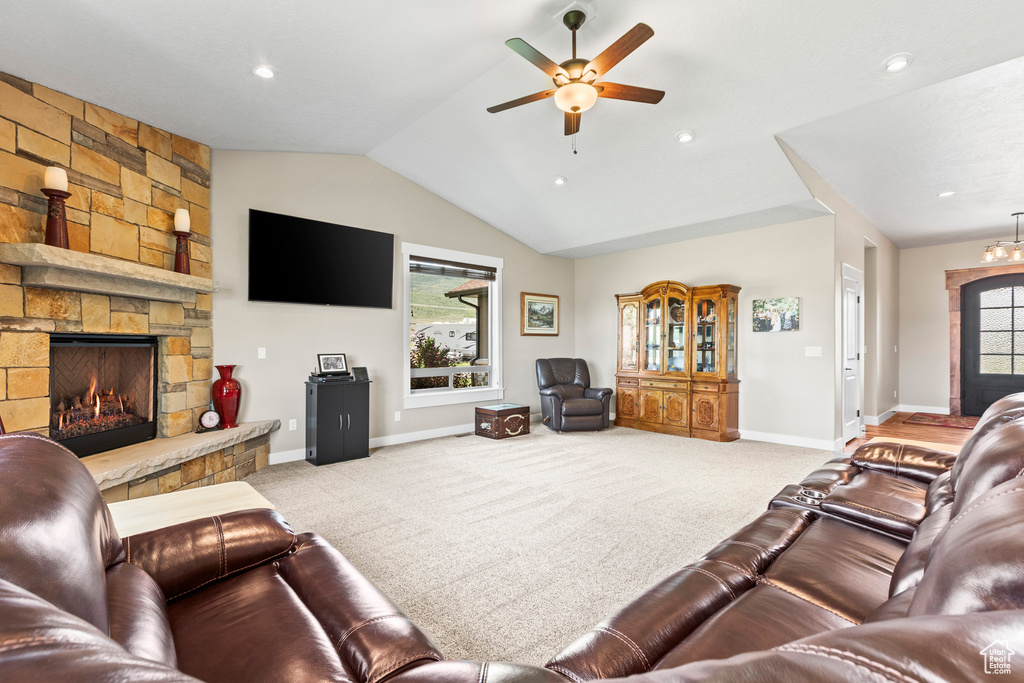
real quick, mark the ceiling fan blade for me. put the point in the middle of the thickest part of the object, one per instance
(544, 94)
(572, 123)
(617, 91)
(532, 55)
(617, 51)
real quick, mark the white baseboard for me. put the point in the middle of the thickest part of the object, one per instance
(941, 410)
(788, 440)
(875, 420)
(395, 439)
(287, 456)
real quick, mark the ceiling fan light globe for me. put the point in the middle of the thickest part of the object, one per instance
(575, 98)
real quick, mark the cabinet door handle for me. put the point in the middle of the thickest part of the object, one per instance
(349, 421)
(341, 422)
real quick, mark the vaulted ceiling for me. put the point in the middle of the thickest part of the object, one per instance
(407, 83)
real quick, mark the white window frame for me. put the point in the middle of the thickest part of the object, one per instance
(426, 398)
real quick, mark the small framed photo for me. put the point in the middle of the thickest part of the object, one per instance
(331, 363)
(777, 315)
(539, 314)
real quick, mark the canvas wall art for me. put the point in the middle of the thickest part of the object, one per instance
(777, 315)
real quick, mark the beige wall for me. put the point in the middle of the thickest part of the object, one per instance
(854, 234)
(354, 190)
(782, 392)
(924, 324)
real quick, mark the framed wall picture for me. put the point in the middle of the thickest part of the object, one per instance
(777, 315)
(539, 314)
(331, 363)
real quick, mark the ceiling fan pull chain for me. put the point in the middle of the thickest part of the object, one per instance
(574, 143)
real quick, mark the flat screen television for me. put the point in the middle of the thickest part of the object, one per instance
(302, 261)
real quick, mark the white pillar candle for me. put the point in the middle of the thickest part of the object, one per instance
(182, 222)
(55, 179)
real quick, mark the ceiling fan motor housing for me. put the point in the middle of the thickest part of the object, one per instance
(573, 67)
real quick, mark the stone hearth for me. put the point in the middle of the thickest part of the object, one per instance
(183, 462)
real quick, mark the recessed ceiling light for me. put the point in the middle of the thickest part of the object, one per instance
(560, 180)
(685, 136)
(949, 193)
(263, 71)
(897, 62)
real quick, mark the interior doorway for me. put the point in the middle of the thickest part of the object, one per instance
(852, 324)
(992, 341)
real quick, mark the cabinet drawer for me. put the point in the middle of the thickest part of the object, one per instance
(626, 382)
(662, 384)
(700, 386)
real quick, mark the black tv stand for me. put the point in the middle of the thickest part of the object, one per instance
(337, 420)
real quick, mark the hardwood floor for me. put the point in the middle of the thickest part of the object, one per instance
(896, 426)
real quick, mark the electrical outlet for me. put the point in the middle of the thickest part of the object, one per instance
(293, 424)
(398, 416)
(895, 348)
(894, 393)
(261, 352)
(812, 351)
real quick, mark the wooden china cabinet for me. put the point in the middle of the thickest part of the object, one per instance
(677, 361)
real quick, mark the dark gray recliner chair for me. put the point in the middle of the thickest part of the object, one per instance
(567, 401)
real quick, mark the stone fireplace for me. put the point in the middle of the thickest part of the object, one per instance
(126, 179)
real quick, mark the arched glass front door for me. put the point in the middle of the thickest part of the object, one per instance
(992, 341)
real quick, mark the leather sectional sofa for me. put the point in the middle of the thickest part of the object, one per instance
(898, 564)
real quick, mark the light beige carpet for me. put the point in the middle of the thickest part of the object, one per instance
(508, 550)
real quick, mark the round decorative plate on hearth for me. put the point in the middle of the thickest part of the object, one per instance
(676, 313)
(208, 421)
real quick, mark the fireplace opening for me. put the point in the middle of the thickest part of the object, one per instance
(102, 391)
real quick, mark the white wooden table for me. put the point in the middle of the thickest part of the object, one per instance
(155, 512)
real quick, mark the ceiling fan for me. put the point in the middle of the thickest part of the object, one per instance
(576, 87)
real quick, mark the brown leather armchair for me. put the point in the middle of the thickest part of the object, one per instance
(567, 401)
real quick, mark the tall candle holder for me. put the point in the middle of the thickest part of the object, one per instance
(181, 254)
(56, 218)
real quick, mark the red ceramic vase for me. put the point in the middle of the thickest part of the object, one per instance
(226, 394)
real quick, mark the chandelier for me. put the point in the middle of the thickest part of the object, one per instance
(998, 251)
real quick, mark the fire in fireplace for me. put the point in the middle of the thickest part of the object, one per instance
(94, 412)
(102, 391)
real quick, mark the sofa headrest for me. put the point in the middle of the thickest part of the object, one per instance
(552, 371)
(999, 413)
(56, 534)
(976, 563)
(997, 457)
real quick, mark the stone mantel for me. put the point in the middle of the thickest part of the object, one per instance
(56, 268)
(122, 465)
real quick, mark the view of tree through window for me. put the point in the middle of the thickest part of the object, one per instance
(448, 329)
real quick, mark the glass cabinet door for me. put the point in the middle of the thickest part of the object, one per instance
(704, 337)
(652, 335)
(731, 337)
(630, 336)
(676, 337)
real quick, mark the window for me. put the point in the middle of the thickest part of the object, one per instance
(453, 326)
(1002, 331)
